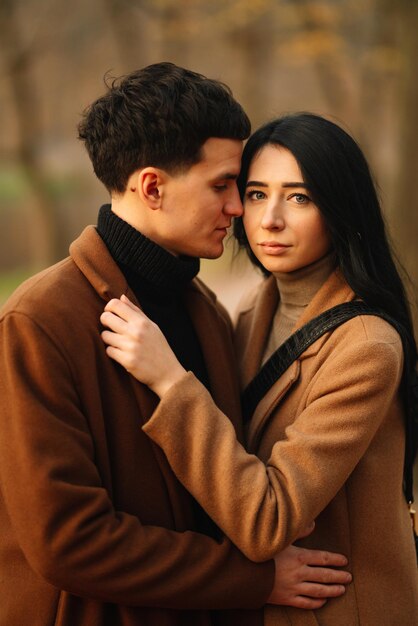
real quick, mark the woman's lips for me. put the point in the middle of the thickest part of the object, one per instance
(273, 247)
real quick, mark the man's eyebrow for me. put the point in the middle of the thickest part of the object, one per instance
(227, 176)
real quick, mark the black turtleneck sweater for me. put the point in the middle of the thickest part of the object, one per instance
(158, 280)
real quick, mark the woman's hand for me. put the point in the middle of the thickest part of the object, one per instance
(139, 346)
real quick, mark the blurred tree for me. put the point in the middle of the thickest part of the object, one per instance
(351, 59)
(127, 22)
(365, 55)
(17, 55)
(405, 204)
(142, 25)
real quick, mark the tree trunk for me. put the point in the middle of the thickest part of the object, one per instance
(44, 234)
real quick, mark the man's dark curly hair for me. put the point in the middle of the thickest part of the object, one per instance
(158, 116)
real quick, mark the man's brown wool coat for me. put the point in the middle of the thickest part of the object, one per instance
(95, 528)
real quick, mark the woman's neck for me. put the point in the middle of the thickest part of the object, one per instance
(299, 287)
(296, 290)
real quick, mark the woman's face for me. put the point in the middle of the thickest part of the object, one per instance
(285, 229)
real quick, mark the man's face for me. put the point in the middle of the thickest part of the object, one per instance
(199, 204)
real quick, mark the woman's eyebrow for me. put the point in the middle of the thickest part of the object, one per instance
(295, 185)
(259, 183)
(256, 183)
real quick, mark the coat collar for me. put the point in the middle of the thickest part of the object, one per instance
(334, 291)
(93, 259)
(215, 337)
(259, 327)
(90, 254)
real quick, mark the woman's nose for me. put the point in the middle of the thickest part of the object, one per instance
(273, 218)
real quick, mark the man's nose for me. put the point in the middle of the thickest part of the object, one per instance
(233, 206)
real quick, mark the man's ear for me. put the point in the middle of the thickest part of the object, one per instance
(150, 182)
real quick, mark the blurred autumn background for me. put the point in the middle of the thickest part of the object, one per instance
(353, 60)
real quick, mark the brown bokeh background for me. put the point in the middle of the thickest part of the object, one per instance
(353, 60)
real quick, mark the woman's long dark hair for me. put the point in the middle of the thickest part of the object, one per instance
(339, 180)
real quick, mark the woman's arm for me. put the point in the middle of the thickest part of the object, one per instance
(350, 398)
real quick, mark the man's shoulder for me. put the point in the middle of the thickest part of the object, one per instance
(87, 275)
(42, 288)
(49, 309)
(58, 300)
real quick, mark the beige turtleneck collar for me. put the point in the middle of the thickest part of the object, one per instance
(296, 290)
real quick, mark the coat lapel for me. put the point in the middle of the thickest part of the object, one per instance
(257, 332)
(334, 291)
(215, 337)
(93, 259)
(268, 403)
(179, 499)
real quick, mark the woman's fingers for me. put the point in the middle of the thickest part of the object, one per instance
(113, 339)
(138, 344)
(126, 300)
(118, 355)
(124, 309)
(114, 322)
(114, 353)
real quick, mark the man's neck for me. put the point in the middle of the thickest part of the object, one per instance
(143, 257)
(140, 217)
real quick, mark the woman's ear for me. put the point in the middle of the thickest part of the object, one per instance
(150, 181)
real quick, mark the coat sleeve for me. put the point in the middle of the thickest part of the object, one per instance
(64, 520)
(263, 507)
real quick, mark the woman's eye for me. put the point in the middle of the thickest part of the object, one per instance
(220, 187)
(300, 198)
(256, 195)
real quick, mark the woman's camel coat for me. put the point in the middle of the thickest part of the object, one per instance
(330, 436)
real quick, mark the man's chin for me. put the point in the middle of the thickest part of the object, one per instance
(212, 254)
